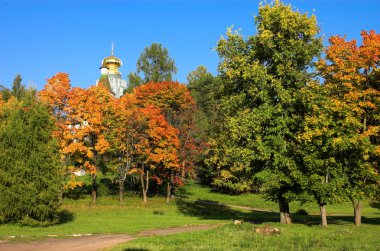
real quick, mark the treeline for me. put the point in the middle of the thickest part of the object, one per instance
(289, 118)
(148, 134)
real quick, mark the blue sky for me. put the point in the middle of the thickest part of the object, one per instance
(41, 38)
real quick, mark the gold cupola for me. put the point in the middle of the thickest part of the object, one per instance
(112, 63)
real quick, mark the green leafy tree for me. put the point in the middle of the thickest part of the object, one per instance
(204, 89)
(262, 105)
(330, 145)
(18, 88)
(29, 163)
(155, 64)
(134, 80)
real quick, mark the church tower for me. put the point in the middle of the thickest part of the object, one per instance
(110, 76)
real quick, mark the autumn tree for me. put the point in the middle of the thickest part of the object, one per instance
(85, 137)
(156, 143)
(261, 81)
(125, 130)
(178, 107)
(56, 95)
(29, 163)
(351, 74)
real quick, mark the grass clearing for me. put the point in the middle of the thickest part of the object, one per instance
(195, 191)
(80, 216)
(243, 237)
(107, 216)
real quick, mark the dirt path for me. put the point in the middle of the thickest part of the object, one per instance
(94, 242)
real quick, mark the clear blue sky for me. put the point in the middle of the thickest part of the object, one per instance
(41, 38)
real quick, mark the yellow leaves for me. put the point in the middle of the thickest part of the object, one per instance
(102, 145)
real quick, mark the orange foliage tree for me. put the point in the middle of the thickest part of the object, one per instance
(178, 106)
(155, 148)
(87, 125)
(352, 77)
(56, 95)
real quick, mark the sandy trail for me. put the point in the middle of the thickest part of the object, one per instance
(94, 242)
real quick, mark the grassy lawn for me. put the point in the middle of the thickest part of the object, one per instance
(243, 237)
(195, 191)
(107, 216)
(79, 216)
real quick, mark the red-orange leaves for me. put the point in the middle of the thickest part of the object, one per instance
(176, 103)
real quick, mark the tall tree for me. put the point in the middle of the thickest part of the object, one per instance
(178, 107)
(56, 95)
(155, 64)
(29, 163)
(155, 145)
(262, 78)
(88, 124)
(204, 88)
(351, 74)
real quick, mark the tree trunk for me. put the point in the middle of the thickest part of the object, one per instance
(94, 188)
(121, 191)
(322, 208)
(284, 211)
(168, 194)
(183, 173)
(358, 205)
(145, 185)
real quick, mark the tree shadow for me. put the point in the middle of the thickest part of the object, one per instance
(217, 211)
(182, 193)
(375, 204)
(65, 216)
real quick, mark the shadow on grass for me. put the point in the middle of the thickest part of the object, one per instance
(375, 204)
(65, 216)
(182, 193)
(217, 211)
(204, 210)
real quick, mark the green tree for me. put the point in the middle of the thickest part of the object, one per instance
(204, 89)
(134, 80)
(262, 105)
(29, 163)
(18, 88)
(155, 64)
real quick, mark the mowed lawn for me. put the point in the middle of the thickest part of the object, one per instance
(192, 207)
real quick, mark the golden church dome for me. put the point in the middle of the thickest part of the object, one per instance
(112, 63)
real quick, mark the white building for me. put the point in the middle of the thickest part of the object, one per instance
(110, 76)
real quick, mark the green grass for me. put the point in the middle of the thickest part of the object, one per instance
(80, 216)
(243, 237)
(107, 216)
(195, 191)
